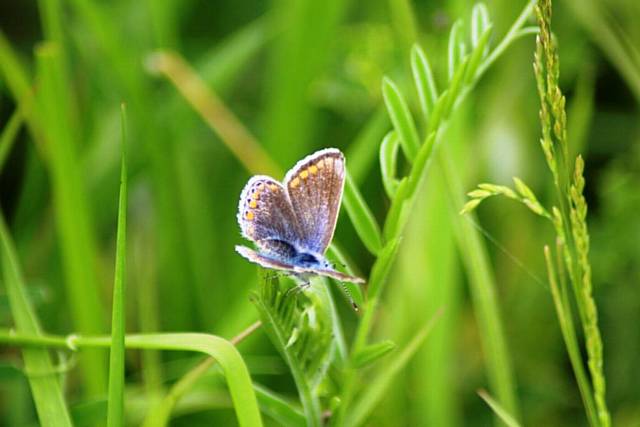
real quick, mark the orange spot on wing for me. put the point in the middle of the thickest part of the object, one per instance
(273, 187)
(253, 204)
(320, 164)
(313, 169)
(295, 182)
(304, 174)
(249, 215)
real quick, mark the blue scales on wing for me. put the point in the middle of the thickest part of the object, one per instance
(266, 217)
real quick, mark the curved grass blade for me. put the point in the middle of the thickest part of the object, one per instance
(43, 378)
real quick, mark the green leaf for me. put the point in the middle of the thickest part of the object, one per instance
(283, 412)
(506, 418)
(398, 212)
(43, 378)
(479, 23)
(372, 353)
(477, 56)
(376, 388)
(437, 116)
(454, 88)
(382, 267)
(8, 137)
(401, 118)
(423, 78)
(299, 327)
(361, 217)
(115, 415)
(455, 38)
(389, 163)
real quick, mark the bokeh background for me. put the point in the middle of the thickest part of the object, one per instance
(303, 75)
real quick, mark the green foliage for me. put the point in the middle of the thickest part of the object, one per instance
(569, 219)
(45, 384)
(424, 99)
(302, 333)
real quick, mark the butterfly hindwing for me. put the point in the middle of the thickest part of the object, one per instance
(334, 274)
(315, 186)
(266, 216)
(263, 260)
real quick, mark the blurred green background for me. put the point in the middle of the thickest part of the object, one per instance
(303, 75)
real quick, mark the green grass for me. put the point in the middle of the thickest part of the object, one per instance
(426, 100)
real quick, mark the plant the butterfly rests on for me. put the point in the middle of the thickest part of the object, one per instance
(293, 223)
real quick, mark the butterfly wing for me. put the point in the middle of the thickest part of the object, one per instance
(266, 216)
(334, 274)
(263, 260)
(275, 264)
(315, 187)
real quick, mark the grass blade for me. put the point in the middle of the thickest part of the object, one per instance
(483, 291)
(43, 379)
(73, 219)
(115, 414)
(506, 418)
(377, 387)
(9, 134)
(361, 217)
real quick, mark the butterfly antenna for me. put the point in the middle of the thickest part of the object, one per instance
(348, 292)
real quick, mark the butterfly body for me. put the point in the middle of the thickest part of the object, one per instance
(292, 223)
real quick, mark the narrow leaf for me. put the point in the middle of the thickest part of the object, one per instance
(423, 78)
(376, 388)
(283, 412)
(479, 52)
(455, 37)
(115, 414)
(372, 353)
(389, 162)
(43, 379)
(401, 118)
(9, 134)
(506, 418)
(479, 22)
(361, 217)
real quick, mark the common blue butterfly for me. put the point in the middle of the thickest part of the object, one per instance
(292, 223)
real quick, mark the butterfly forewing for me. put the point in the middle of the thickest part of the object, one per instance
(266, 216)
(315, 187)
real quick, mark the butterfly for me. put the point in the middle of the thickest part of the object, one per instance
(292, 223)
